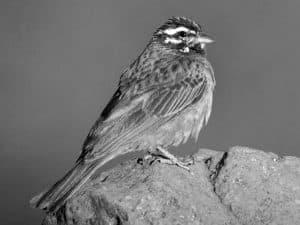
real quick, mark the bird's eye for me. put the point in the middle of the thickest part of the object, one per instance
(182, 34)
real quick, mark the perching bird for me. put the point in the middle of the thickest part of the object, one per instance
(164, 97)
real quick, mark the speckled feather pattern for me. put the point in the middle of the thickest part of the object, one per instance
(156, 98)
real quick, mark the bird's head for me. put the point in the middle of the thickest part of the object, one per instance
(183, 35)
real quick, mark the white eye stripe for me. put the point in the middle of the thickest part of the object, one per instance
(172, 40)
(172, 31)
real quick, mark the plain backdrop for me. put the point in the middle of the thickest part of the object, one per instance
(60, 62)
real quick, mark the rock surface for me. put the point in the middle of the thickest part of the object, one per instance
(241, 186)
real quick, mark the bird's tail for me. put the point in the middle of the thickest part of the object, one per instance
(56, 196)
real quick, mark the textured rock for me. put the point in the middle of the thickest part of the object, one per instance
(241, 186)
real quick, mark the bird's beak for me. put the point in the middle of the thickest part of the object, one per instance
(204, 39)
(199, 42)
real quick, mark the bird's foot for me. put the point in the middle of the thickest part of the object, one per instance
(166, 157)
(176, 162)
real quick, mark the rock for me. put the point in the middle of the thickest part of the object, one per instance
(241, 186)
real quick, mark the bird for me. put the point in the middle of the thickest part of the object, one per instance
(163, 98)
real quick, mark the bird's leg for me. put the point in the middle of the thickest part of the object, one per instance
(171, 159)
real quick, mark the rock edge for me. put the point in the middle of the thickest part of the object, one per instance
(241, 186)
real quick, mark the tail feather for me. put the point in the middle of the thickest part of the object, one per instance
(52, 199)
(56, 196)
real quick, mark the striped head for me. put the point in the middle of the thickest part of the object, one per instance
(182, 34)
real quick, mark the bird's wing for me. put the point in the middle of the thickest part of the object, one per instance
(175, 87)
(146, 102)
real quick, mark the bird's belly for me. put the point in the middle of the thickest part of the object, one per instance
(185, 124)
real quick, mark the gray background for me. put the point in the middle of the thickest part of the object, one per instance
(60, 62)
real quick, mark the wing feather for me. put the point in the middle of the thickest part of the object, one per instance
(131, 112)
(185, 96)
(169, 102)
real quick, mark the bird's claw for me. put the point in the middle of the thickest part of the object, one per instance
(167, 158)
(176, 162)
